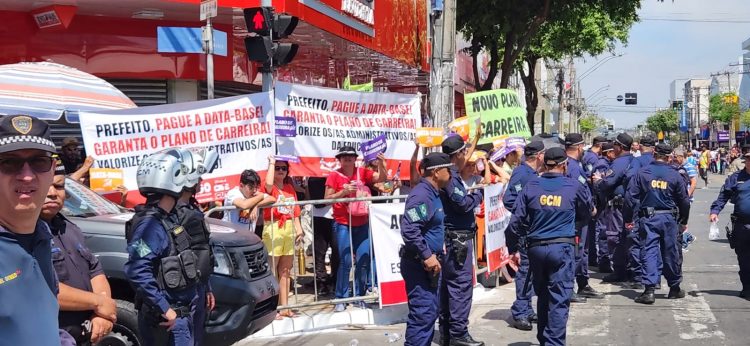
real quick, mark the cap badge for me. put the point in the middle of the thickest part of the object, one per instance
(22, 124)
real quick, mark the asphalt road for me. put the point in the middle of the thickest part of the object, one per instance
(711, 314)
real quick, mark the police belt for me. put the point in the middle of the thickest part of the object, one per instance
(616, 202)
(154, 314)
(561, 240)
(459, 234)
(649, 212)
(741, 219)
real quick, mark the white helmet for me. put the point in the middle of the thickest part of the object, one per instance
(164, 172)
(203, 161)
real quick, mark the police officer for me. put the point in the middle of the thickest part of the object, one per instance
(636, 246)
(604, 213)
(737, 190)
(612, 184)
(161, 266)
(658, 193)
(523, 314)
(550, 205)
(575, 170)
(589, 161)
(592, 156)
(423, 232)
(457, 266)
(190, 216)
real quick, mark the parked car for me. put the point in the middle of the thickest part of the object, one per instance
(246, 290)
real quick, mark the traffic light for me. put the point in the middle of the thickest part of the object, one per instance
(677, 105)
(610, 127)
(631, 98)
(268, 27)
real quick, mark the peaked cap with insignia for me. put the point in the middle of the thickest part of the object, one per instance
(18, 132)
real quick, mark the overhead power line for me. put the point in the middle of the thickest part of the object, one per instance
(697, 20)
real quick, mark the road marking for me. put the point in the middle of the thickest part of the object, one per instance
(694, 317)
(599, 309)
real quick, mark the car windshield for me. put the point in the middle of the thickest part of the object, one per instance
(80, 201)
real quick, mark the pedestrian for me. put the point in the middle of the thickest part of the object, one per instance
(159, 254)
(689, 174)
(737, 190)
(423, 232)
(87, 310)
(247, 199)
(703, 166)
(612, 184)
(28, 295)
(457, 265)
(738, 163)
(589, 161)
(323, 237)
(604, 213)
(521, 310)
(70, 153)
(635, 149)
(574, 151)
(352, 231)
(189, 215)
(550, 206)
(659, 195)
(282, 229)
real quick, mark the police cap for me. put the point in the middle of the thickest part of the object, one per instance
(18, 132)
(663, 149)
(599, 140)
(607, 146)
(533, 148)
(435, 161)
(555, 156)
(624, 140)
(453, 144)
(573, 139)
(648, 141)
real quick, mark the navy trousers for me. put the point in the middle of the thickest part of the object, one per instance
(456, 291)
(661, 241)
(552, 268)
(521, 307)
(423, 304)
(617, 241)
(742, 249)
(153, 334)
(582, 260)
(635, 246)
(602, 254)
(199, 317)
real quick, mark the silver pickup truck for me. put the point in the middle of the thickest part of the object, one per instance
(245, 289)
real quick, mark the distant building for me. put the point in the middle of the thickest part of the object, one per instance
(696, 94)
(744, 82)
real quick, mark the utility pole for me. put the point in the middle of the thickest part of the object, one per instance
(560, 92)
(441, 64)
(573, 121)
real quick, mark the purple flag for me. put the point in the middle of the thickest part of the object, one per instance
(372, 148)
(286, 127)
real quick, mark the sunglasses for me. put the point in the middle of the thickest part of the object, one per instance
(281, 168)
(14, 165)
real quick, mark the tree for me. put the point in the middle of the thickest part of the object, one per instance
(722, 111)
(664, 120)
(588, 124)
(745, 120)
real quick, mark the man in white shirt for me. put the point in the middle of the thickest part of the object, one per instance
(246, 198)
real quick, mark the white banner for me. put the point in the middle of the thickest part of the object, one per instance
(240, 128)
(385, 225)
(327, 119)
(496, 220)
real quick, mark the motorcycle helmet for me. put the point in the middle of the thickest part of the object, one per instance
(164, 172)
(203, 161)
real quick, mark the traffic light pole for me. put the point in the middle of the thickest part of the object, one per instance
(209, 60)
(441, 66)
(267, 74)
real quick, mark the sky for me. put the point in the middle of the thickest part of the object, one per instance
(659, 52)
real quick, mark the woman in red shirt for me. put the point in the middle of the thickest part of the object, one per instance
(343, 183)
(282, 227)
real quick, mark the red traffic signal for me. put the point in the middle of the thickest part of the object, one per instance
(258, 20)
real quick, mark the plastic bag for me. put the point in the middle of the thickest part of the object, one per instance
(713, 232)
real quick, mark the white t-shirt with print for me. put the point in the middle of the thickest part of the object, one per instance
(237, 216)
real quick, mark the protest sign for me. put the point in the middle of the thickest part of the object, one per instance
(496, 221)
(105, 179)
(286, 127)
(328, 119)
(372, 148)
(240, 129)
(428, 137)
(385, 223)
(500, 113)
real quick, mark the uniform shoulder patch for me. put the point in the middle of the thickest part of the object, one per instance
(609, 172)
(141, 248)
(590, 167)
(457, 191)
(582, 180)
(417, 213)
(518, 187)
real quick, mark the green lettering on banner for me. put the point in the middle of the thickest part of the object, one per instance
(500, 112)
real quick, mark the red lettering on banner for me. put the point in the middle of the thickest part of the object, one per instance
(345, 107)
(175, 122)
(376, 109)
(399, 109)
(396, 123)
(178, 139)
(243, 130)
(216, 117)
(249, 113)
(120, 146)
(305, 117)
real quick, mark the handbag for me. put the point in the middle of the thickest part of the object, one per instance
(360, 208)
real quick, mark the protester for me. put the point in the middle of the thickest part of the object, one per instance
(246, 198)
(28, 295)
(323, 237)
(70, 153)
(282, 228)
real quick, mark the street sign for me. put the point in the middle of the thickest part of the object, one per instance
(690, 104)
(188, 40)
(209, 9)
(619, 98)
(631, 98)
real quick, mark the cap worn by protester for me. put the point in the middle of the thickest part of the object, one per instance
(453, 144)
(533, 148)
(573, 139)
(18, 132)
(346, 151)
(435, 161)
(607, 146)
(511, 145)
(70, 141)
(555, 156)
(663, 149)
(648, 141)
(599, 140)
(624, 140)
(59, 167)
(476, 155)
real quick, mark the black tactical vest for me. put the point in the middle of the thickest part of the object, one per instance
(190, 217)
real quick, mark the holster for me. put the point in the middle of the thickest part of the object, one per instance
(730, 231)
(404, 253)
(458, 240)
(617, 202)
(81, 333)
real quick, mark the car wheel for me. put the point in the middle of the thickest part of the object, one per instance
(125, 331)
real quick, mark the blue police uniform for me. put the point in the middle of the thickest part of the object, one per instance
(577, 172)
(458, 268)
(635, 247)
(589, 161)
(612, 185)
(27, 275)
(521, 307)
(550, 204)
(736, 189)
(423, 232)
(148, 245)
(604, 214)
(657, 194)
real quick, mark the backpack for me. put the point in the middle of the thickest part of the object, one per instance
(359, 208)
